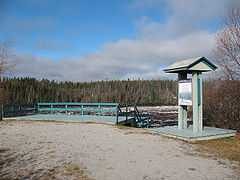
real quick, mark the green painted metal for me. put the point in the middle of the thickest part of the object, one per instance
(186, 65)
(38, 108)
(126, 112)
(2, 111)
(17, 109)
(66, 107)
(199, 91)
(79, 104)
(194, 66)
(99, 110)
(195, 101)
(200, 110)
(82, 109)
(13, 108)
(189, 135)
(205, 61)
(117, 108)
(148, 122)
(138, 119)
(51, 109)
(10, 105)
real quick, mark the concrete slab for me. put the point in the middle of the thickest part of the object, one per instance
(69, 118)
(188, 134)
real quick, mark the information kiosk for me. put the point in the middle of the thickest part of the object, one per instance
(190, 90)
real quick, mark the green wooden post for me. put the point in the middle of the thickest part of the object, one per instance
(12, 110)
(135, 112)
(148, 122)
(99, 110)
(51, 109)
(200, 120)
(126, 112)
(116, 114)
(82, 109)
(66, 112)
(20, 110)
(195, 101)
(3, 111)
(38, 108)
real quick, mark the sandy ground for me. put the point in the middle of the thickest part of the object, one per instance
(50, 150)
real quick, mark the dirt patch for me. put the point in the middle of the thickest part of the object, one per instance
(46, 150)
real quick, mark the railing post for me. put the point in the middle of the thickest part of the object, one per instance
(51, 109)
(20, 110)
(148, 122)
(135, 111)
(35, 108)
(99, 110)
(66, 112)
(82, 109)
(126, 112)
(12, 110)
(38, 108)
(117, 114)
(3, 111)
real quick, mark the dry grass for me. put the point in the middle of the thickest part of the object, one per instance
(74, 170)
(124, 127)
(3, 149)
(225, 148)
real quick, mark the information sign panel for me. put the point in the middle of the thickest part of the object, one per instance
(185, 92)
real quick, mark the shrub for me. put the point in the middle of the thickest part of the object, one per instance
(222, 105)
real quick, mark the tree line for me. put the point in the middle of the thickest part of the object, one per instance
(221, 98)
(144, 92)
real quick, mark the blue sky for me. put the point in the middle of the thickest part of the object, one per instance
(82, 40)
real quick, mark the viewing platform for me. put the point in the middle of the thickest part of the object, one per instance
(188, 134)
(111, 113)
(108, 113)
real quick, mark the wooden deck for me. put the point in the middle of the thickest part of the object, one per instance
(187, 134)
(75, 118)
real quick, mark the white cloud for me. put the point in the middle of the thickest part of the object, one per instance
(184, 16)
(157, 46)
(51, 45)
(121, 59)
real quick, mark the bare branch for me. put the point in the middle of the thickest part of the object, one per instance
(7, 57)
(227, 46)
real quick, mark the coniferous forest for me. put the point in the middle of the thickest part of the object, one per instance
(140, 92)
(144, 92)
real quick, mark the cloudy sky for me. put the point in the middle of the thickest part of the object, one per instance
(82, 40)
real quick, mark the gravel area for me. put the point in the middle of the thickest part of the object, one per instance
(50, 150)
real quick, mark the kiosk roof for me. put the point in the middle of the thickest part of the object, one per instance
(200, 64)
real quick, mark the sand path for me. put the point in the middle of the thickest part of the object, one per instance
(50, 150)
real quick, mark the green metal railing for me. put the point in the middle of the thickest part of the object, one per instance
(18, 109)
(81, 107)
(129, 111)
